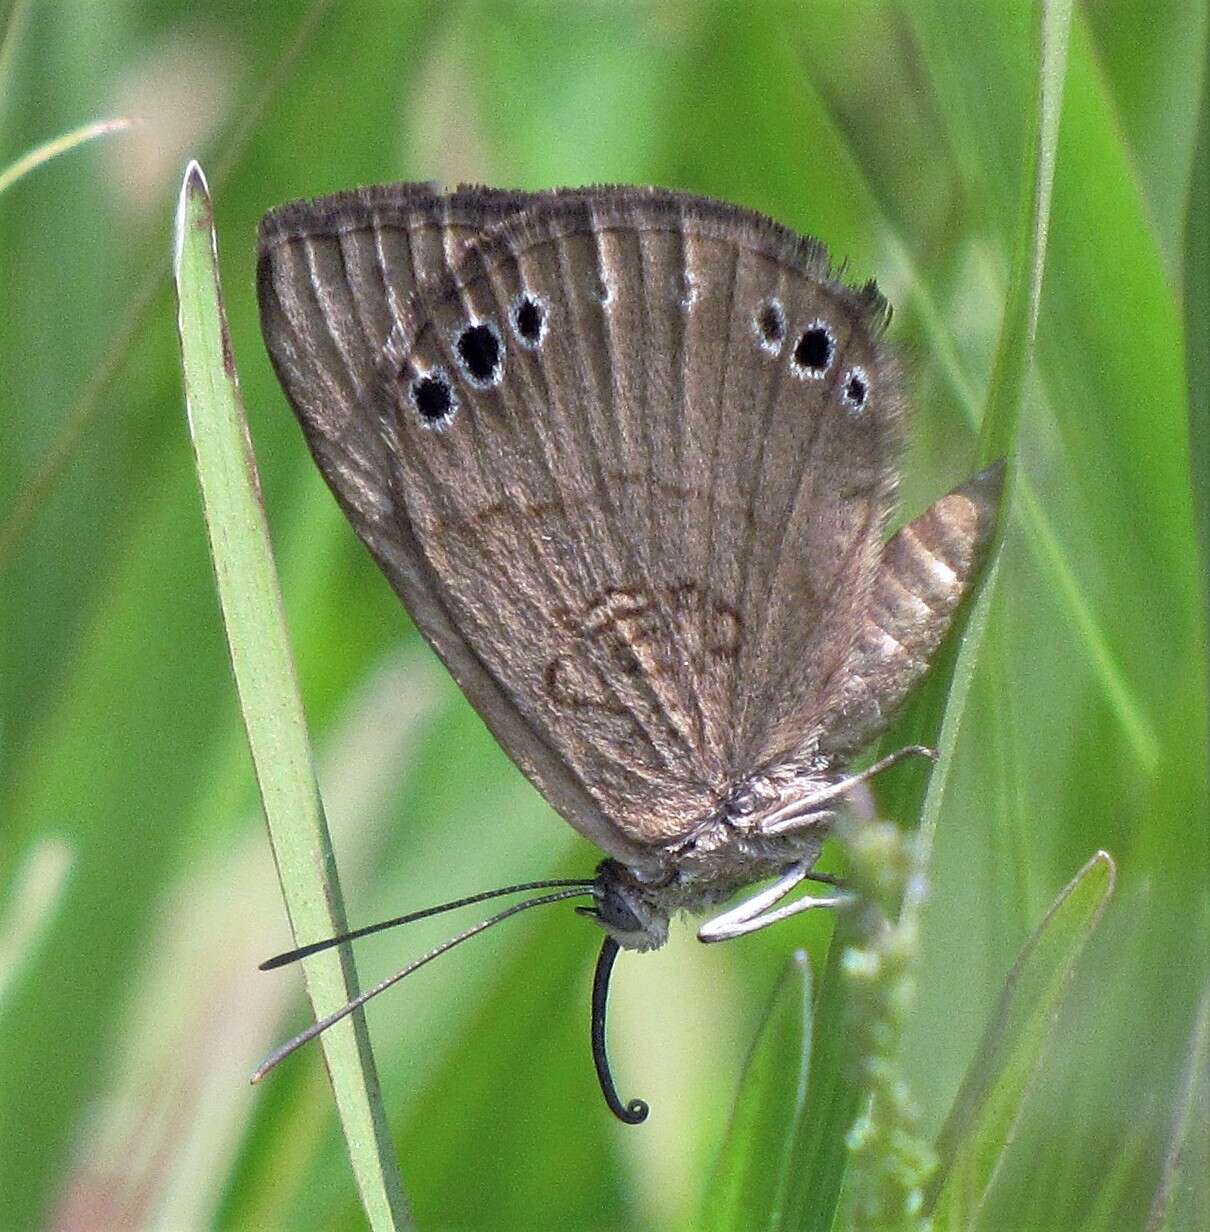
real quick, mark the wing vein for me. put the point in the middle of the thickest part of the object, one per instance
(712, 487)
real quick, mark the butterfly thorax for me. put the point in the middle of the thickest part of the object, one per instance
(723, 853)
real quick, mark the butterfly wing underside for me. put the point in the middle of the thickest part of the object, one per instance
(924, 572)
(625, 455)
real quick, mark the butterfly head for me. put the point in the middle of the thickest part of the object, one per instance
(628, 908)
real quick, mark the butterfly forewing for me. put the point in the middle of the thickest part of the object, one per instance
(378, 245)
(625, 455)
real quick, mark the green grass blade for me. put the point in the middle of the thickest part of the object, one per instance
(43, 153)
(1041, 525)
(1014, 355)
(943, 700)
(1113, 1187)
(979, 1127)
(1197, 335)
(38, 486)
(936, 716)
(272, 710)
(819, 1145)
(748, 1188)
(1040, 532)
(1182, 1202)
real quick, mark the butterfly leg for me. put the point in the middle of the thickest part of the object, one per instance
(825, 879)
(806, 812)
(759, 911)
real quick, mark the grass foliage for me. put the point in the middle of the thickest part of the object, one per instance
(273, 715)
(137, 890)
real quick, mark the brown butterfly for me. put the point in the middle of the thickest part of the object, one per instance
(628, 456)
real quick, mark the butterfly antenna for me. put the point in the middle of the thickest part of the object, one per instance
(316, 947)
(317, 1028)
(635, 1112)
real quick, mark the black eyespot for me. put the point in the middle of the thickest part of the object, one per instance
(479, 350)
(856, 388)
(770, 326)
(813, 351)
(529, 320)
(434, 400)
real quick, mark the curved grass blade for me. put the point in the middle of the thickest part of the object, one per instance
(38, 485)
(43, 153)
(272, 710)
(749, 1187)
(980, 1125)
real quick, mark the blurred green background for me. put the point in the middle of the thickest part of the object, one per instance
(137, 890)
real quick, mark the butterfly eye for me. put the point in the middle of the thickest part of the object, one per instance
(814, 350)
(480, 354)
(434, 400)
(770, 326)
(529, 321)
(856, 388)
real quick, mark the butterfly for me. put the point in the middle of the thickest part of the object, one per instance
(628, 458)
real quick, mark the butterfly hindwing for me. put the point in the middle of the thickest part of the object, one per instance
(923, 574)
